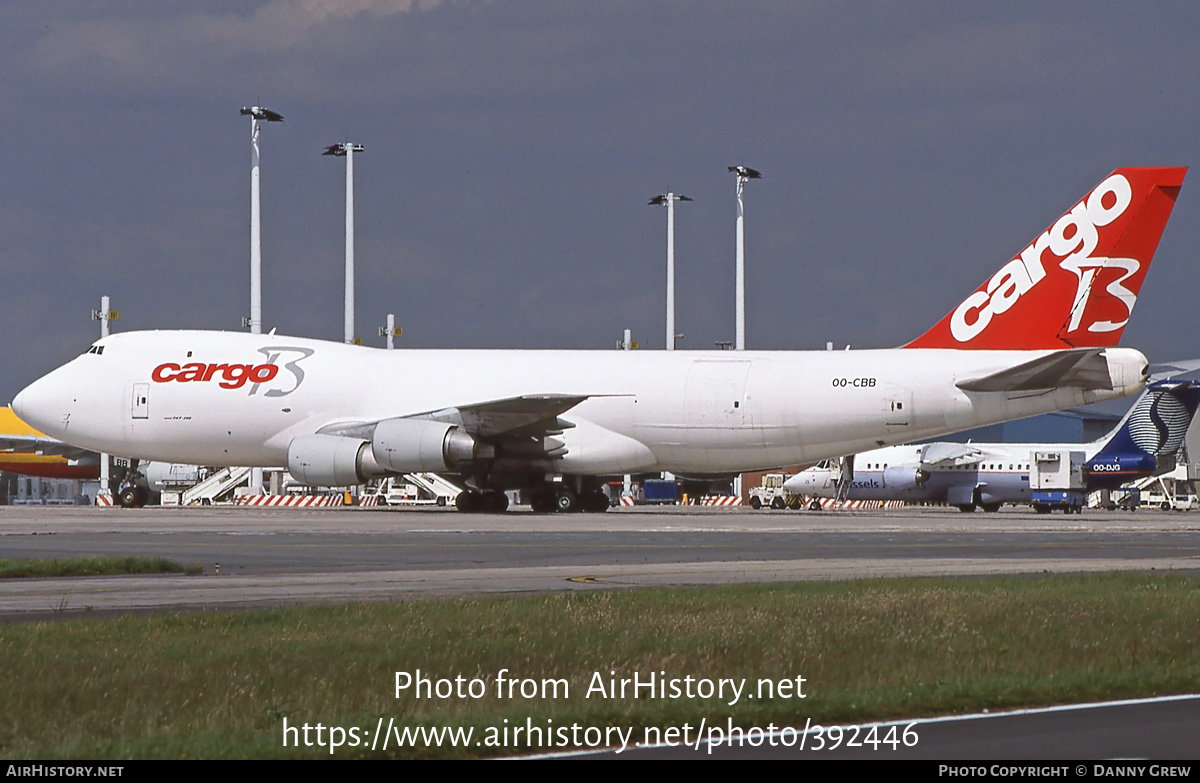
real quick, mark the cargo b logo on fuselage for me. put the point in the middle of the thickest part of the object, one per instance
(236, 376)
(227, 376)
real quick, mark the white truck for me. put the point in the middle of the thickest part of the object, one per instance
(772, 494)
(1056, 481)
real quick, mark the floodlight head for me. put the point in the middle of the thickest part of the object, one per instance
(745, 172)
(664, 199)
(259, 113)
(341, 149)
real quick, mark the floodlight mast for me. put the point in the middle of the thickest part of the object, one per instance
(668, 200)
(104, 315)
(744, 175)
(347, 150)
(389, 331)
(256, 114)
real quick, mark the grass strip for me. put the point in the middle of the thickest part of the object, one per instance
(94, 566)
(220, 685)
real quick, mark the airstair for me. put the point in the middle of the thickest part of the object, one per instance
(419, 489)
(435, 485)
(215, 487)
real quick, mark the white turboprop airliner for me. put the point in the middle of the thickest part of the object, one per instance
(1036, 337)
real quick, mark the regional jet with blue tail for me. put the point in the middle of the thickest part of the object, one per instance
(987, 475)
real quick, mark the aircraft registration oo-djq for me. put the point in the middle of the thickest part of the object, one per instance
(1038, 336)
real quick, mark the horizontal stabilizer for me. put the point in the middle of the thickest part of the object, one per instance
(1086, 369)
(1160, 372)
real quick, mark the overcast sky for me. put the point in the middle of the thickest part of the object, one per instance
(907, 149)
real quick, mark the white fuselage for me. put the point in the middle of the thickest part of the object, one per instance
(1000, 473)
(224, 398)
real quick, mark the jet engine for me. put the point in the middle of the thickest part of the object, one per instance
(332, 460)
(420, 445)
(901, 478)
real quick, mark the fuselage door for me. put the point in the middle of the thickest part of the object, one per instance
(897, 406)
(141, 401)
(715, 394)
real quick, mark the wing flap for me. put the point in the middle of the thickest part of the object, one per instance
(947, 454)
(509, 419)
(533, 415)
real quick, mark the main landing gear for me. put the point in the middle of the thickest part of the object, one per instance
(566, 500)
(546, 499)
(490, 501)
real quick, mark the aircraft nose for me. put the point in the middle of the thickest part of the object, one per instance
(33, 405)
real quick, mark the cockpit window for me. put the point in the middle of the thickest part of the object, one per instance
(96, 349)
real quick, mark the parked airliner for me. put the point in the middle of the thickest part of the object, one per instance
(988, 475)
(27, 452)
(1038, 336)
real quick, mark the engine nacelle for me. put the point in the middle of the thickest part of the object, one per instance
(164, 475)
(901, 478)
(422, 445)
(332, 461)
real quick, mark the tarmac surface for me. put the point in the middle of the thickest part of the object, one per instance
(254, 557)
(280, 556)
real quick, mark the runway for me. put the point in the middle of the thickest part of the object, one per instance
(273, 557)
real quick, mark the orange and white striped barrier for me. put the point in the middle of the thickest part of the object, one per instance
(829, 504)
(103, 499)
(720, 500)
(305, 501)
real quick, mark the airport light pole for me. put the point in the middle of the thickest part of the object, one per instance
(257, 114)
(391, 331)
(744, 175)
(668, 200)
(347, 150)
(104, 315)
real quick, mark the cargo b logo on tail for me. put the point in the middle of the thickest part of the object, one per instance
(1072, 238)
(1105, 243)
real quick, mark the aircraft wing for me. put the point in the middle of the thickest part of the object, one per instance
(517, 427)
(947, 454)
(1078, 369)
(529, 415)
(40, 444)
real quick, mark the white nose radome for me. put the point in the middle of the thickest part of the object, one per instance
(34, 405)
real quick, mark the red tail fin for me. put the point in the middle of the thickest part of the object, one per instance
(1076, 284)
